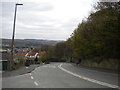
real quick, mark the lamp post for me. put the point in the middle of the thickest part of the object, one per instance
(12, 46)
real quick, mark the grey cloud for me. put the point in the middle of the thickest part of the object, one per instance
(37, 7)
(32, 22)
(8, 8)
(51, 36)
(71, 23)
(31, 19)
(43, 34)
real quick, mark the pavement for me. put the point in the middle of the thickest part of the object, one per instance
(62, 75)
(20, 71)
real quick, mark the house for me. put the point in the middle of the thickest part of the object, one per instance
(33, 56)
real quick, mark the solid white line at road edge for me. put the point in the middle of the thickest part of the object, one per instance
(89, 79)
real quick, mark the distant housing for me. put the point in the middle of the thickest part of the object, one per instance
(32, 55)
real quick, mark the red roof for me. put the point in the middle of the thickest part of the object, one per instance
(33, 54)
(42, 53)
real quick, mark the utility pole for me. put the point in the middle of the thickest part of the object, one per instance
(12, 46)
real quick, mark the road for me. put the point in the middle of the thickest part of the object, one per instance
(62, 75)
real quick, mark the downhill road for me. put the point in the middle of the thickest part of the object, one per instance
(62, 75)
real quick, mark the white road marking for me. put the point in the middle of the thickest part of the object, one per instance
(36, 83)
(26, 67)
(30, 74)
(89, 79)
(32, 77)
(37, 68)
(50, 66)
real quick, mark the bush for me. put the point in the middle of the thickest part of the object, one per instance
(44, 58)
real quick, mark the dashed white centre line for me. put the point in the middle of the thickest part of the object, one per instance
(32, 77)
(26, 67)
(36, 83)
(30, 74)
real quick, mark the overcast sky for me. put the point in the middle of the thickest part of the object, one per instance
(46, 19)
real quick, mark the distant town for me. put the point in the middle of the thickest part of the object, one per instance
(24, 49)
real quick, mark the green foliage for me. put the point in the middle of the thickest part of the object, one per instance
(45, 47)
(35, 49)
(95, 39)
(16, 60)
(98, 37)
(44, 58)
(60, 52)
(63, 51)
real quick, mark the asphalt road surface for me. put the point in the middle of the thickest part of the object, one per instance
(62, 75)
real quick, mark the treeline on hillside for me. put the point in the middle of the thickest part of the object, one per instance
(96, 41)
(25, 43)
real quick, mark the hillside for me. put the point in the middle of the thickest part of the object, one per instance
(28, 42)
